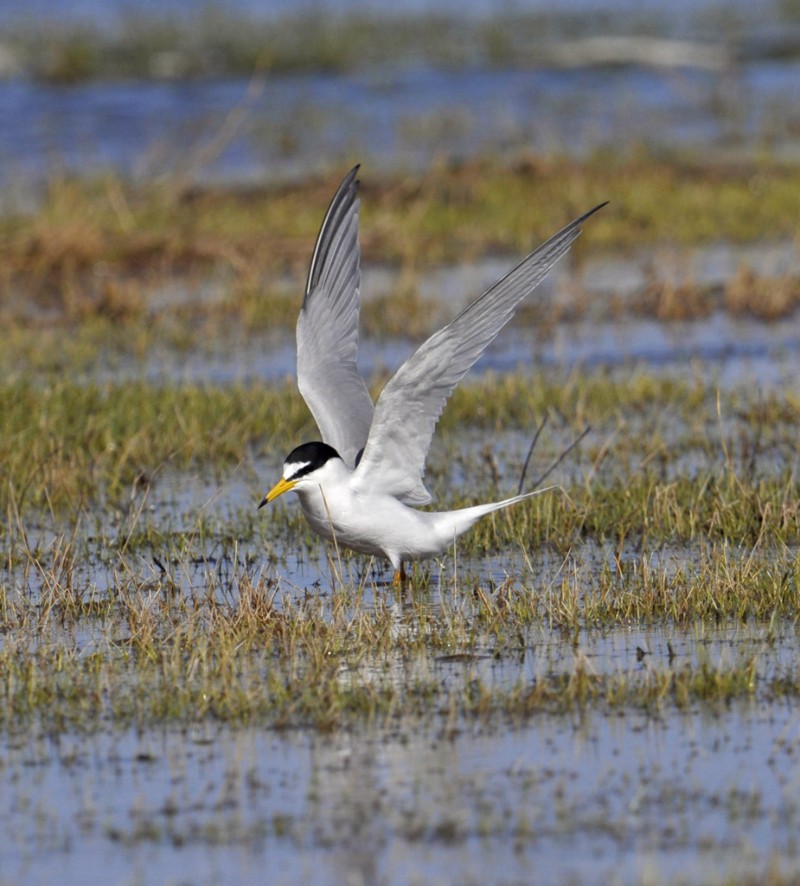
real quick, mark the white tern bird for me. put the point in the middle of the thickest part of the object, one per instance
(362, 485)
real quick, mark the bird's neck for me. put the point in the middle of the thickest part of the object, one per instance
(320, 496)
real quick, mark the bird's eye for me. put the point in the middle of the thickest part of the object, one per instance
(293, 470)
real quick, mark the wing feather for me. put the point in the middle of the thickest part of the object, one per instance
(412, 401)
(327, 329)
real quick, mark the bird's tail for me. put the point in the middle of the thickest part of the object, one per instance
(453, 523)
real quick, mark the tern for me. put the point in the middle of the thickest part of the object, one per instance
(362, 485)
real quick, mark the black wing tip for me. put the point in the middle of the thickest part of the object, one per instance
(574, 228)
(590, 213)
(348, 189)
(343, 199)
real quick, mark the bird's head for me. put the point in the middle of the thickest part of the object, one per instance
(301, 469)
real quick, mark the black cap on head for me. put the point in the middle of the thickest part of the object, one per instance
(309, 456)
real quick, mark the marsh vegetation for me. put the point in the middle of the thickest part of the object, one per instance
(144, 602)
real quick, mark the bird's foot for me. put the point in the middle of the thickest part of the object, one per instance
(400, 577)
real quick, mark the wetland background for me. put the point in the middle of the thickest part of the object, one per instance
(599, 686)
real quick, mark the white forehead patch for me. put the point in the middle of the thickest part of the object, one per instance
(290, 469)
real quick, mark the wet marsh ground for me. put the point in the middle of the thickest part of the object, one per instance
(601, 683)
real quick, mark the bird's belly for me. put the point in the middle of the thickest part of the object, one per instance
(350, 526)
(376, 525)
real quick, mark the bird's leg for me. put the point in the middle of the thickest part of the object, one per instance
(400, 577)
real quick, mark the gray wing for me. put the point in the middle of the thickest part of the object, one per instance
(411, 403)
(327, 330)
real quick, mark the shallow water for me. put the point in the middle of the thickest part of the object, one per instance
(625, 795)
(735, 350)
(111, 13)
(407, 117)
(698, 795)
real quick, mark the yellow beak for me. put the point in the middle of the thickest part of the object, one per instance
(278, 489)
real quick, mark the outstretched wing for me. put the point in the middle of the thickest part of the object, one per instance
(411, 403)
(327, 330)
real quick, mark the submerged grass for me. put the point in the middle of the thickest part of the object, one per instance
(117, 610)
(250, 653)
(119, 606)
(68, 442)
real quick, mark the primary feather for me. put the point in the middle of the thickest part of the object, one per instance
(412, 401)
(327, 330)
